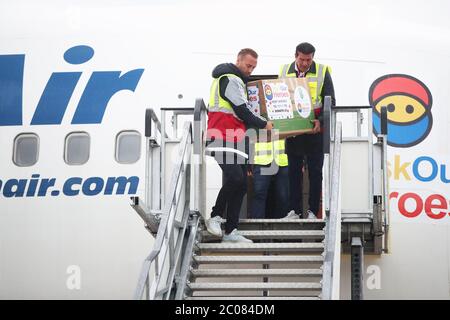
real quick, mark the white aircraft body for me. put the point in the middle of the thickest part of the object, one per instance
(67, 230)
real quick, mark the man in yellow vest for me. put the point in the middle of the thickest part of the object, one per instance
(229, 115)
(309, 147)
(270, 164)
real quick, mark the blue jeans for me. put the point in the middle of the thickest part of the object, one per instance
(315, 163)
(261, 184)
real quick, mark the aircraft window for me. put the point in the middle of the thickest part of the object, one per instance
(26, 149)
(76, 148)
(128, 147)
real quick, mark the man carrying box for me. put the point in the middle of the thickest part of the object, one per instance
(288, 104)
(308, 147)
(270, 161)
(229, 116)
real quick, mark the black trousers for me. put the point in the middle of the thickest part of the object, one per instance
(296, 163)
(231, 194)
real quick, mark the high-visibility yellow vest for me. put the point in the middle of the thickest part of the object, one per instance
(265, 152)
(216, 102)
(315, 80)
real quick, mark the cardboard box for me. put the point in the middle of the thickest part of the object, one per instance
(286, 102)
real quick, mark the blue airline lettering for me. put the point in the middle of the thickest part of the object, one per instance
(99, 90)
(73, 186)
(52, 105)
(122, 183)
(11, 86)
(54, 99)
(97, 182)
(14, 188)
(45, 185)
(33, 185)
(67, 188)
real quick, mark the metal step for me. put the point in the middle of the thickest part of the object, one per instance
(252, 298)
(258, 259)
(282, 221)
(274, 234)
(252, 247)
(256, 272)
(210, 286)
(278, 224)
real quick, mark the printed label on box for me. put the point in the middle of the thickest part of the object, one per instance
(253, 99)
(278, 101)
(302, 102)
(282, 102)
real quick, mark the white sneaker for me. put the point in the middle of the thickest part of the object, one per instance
(291, 215)
(311, 215)
(235, 236)
(213, 226)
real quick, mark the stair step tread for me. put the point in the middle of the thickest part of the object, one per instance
(255, 272)
(278, 224)
(258, 259)
(275, 234)
(293, 221)
(260, 246)
(252, 298)
(255, 286)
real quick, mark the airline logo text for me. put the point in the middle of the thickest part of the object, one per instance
(73, 186)
(102, 85)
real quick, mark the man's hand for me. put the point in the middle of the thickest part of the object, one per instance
(269, 125)
(316, 128)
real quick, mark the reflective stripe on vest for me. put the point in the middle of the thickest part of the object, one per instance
(264, 153)
(216, 102)
(315, 80)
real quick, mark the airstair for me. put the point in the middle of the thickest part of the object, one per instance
(285, 261)
(288, 259)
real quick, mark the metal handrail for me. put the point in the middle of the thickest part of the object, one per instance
(367, 209)
(383, 136)
(180, 249)
(188, 252)
(150, 116)
(148, 210)
(331, 267)
(326, 151)
(165, 236)
(350, 109)
(154, 184)
(200, 118)
(200, 112)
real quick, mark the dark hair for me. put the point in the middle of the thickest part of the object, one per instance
(249, 51)
(305, 48)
